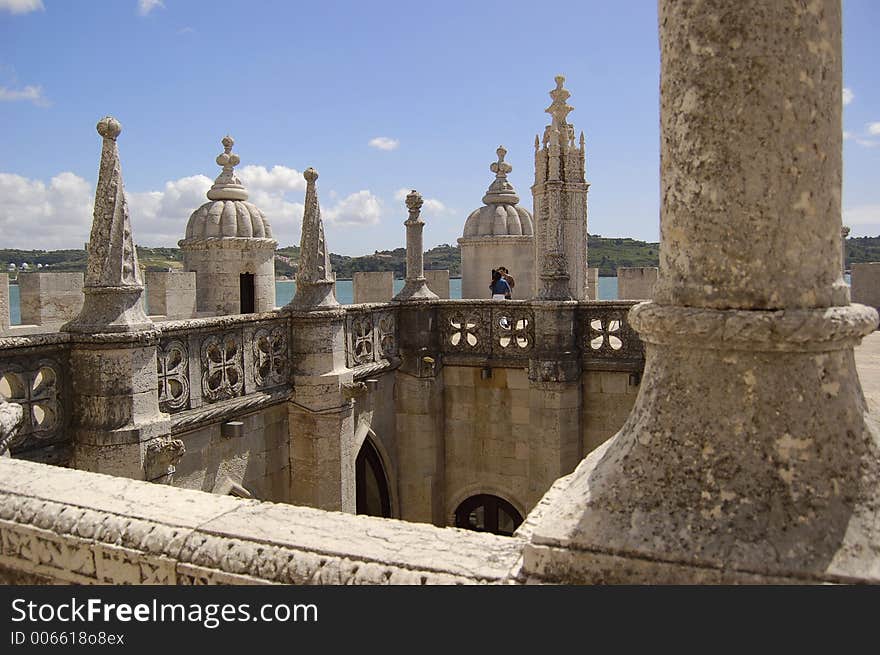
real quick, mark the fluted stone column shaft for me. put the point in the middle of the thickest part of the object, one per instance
(748, 456)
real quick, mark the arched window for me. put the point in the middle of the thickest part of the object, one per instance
(487, 513)
(371, 483)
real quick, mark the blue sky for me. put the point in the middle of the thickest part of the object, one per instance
(301, 84)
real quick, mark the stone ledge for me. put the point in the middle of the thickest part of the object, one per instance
(126, 531)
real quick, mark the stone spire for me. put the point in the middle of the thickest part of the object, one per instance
(315, 283)
(113, 284)
(560, 205)
(227, 186)
(415, 288)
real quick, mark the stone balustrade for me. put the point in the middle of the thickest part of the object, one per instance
(208, 368)
(34, 375)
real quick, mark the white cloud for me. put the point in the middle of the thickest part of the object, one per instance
(278, 179)
(158, 218)
(32, 94)
(384, 143)
(34, 214)
(874, 129)
(847, 135)
(146, 6)
(848, 96)
(867, 143)
(862, 215)
(360, 208)
(21, 6)
(186, 30)
(430, 206)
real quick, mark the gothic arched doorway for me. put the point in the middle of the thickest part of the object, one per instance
(487, 513)
(371, 482)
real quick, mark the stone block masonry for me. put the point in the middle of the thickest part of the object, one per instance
(866, 284)
(171, 294)
(373, 286)
(50, 298)
(636, 283)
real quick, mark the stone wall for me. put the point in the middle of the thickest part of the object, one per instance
(375, 286)
(865, 282)
(487, 435)
(50, 298)
(636, 283)
(120, 531)
(593, 283)
(218, 264)
(438, 282)
(171, 294)
(609, 397)
(479, 255)
(258, 460)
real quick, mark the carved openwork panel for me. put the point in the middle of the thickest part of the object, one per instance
(270, 351)
(606, 333)
(36, 385)
(222, 367)
(466, 329)
(172, 367)
(513, 330)
(361, 349)
(386, 335)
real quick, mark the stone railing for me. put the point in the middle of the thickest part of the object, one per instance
(120, 531)
(487, 329)
(606, 338)
(211, 367)
(34, 375)
(370, 338)
(506, 331)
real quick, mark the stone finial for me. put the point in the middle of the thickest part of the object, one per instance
(414, 204)
(559, 109)
(227, 186)
(501, 191)
(315, 283)
(501, 168)
(113, 283)
(844, 231)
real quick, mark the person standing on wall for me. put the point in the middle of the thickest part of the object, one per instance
(499, 287)
(507, 278)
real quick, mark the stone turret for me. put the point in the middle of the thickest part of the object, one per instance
(230, 247)
(500, 233)
(560, 205)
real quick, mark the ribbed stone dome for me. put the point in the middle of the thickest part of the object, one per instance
(228, 218)
(498, 220)
(227, 212)
(500, 216)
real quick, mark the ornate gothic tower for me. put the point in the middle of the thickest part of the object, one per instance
(560, 206)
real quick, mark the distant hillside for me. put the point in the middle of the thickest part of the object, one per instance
(604, 253)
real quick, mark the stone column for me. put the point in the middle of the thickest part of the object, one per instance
(747, 457)
(116, 424)
(321, 409)
(420, 417)
(555, 398)
(415, 288)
